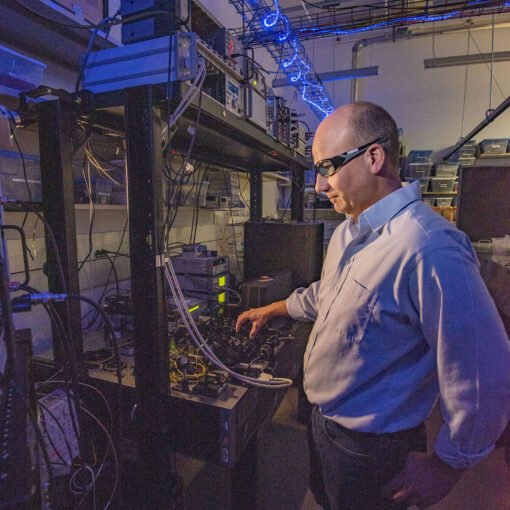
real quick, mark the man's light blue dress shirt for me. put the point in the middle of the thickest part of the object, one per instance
(401, 315)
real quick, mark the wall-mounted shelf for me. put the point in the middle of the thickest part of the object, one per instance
(223, 138)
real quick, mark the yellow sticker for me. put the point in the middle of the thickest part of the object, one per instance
(222, 281)
(221, 297)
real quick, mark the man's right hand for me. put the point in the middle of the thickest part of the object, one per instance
(259, 316)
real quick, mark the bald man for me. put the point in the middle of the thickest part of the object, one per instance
(401, 317)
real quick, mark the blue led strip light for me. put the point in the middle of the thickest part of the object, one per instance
(355, 19)
(266, 25)
(351, 20)
(333, 31)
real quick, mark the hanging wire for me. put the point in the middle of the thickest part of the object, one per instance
(490, 110)
(434, 39)
(465, 88)
(503, 95)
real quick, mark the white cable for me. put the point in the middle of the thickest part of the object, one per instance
(114, 451)
(202, 345)
(190, 94)
(90, 386)
(78, 489)
(187, 98)
(236, 294)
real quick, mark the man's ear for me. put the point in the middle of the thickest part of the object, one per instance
(375, 158)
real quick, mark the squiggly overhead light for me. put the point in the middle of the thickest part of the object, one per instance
(279, 38)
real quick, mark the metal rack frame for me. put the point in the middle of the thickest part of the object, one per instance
(143, 109)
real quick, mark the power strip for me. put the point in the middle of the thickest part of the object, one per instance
(55, 423)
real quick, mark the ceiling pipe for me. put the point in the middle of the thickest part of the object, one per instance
(356, 50)
(358, 45)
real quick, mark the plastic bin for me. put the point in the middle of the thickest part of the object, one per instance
(444, 201)
(467, 161)
(420, 156)
(418, 170)
(494, 145)
(101, 191)
(12, 178)
(465, 152)
(447, 169)
(442, 184)
(188, 195)
(424, 183)
(430, 201)
(19, 73)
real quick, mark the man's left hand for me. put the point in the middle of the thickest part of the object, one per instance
(425, 480)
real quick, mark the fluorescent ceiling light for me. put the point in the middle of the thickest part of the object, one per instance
(462, 60)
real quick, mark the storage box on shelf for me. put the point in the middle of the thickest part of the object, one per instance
(12, 176)
(465, 153)
(187, 195)
(467, 161)
(447, 169)
(418, 170)
(444, 201)
(411, 165)
(424, 183)
(420, 156)
(494, 146)
(442, 184)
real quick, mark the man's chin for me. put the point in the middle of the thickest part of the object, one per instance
(339, 208)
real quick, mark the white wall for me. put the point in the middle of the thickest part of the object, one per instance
(426, 103)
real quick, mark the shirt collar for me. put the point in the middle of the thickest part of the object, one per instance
(385, 209)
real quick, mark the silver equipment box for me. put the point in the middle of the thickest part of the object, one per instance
(201, 265)
(255, 100)
(203, 283)
(142, 63)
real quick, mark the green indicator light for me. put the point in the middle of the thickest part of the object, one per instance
(221, 297)
(193, 309)
(222, 281)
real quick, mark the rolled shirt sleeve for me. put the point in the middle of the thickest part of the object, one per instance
(460, 322)
(302, 303)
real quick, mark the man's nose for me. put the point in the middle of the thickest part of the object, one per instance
(321, 184)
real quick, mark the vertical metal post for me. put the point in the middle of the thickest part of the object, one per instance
(56, 123)
(255, 195)
(298, 184)
(143, 144)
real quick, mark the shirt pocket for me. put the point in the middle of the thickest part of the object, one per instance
(361, 307)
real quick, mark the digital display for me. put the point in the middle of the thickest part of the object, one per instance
(233, 88)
